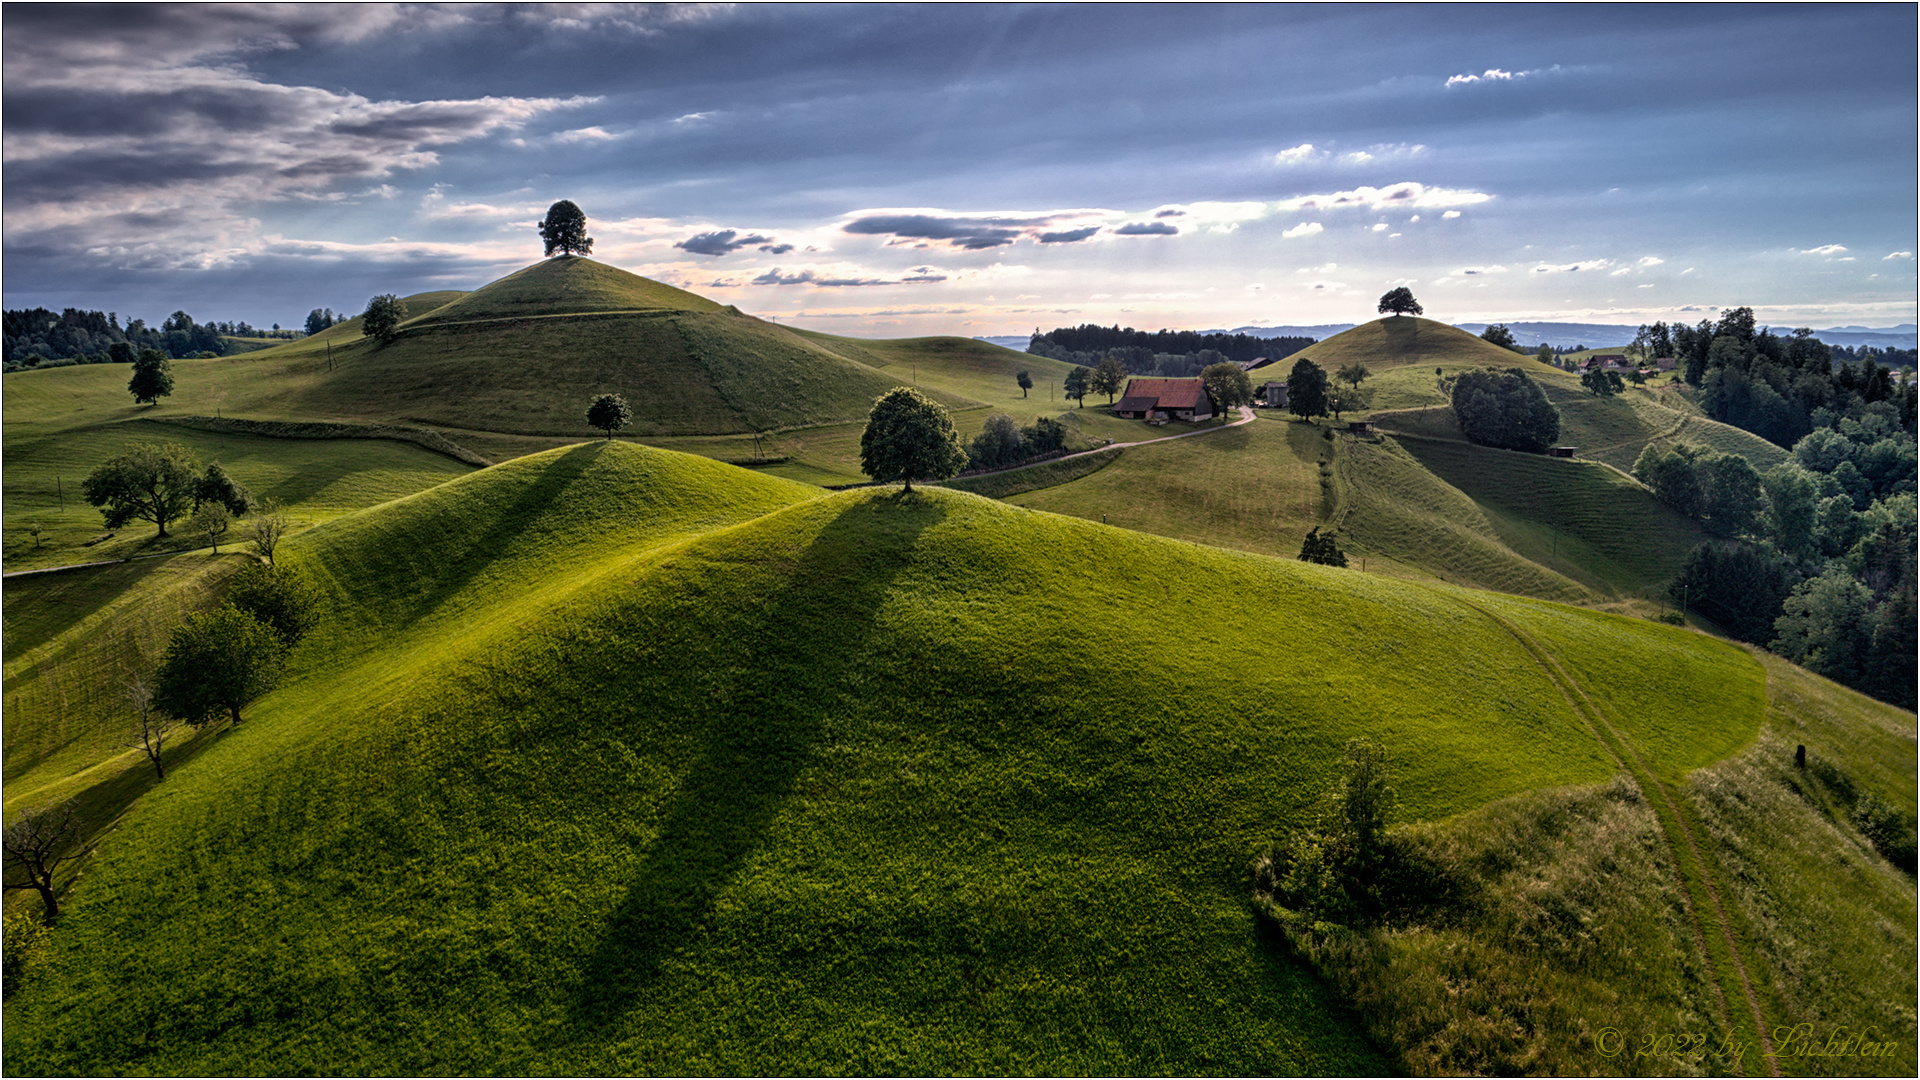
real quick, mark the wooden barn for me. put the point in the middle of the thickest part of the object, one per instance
(1165, 399)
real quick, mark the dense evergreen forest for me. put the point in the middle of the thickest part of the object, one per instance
(1166, 353)
(37, 337)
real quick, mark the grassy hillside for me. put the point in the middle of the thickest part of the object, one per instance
(568, 285)
(1407, 341)
(616, 760)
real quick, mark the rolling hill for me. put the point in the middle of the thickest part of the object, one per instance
(612, 759)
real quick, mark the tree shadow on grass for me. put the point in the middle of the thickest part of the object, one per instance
(455, 569)
(751, 752)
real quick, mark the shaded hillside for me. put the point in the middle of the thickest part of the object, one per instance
(593, 764)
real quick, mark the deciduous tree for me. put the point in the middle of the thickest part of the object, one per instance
(282, 597)
(217, 663)
(909, 436)
(1321, 549)
(565, 230)
(1498, 334)
(609, 413)
(381, 320)
(1307, 389)
(1355, 373)
(1505, 409)
(1400, 301)
(1603, 384)
(267, 526)
(152, 377)
(1227, 384)
(1077, 384)
(1109, 377)
(37, 842)
(213, 520)
(152, 481)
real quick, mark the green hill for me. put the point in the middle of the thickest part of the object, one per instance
(617, 760)
(1408, 341)
(568, 285)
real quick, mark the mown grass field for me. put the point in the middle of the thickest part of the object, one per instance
(612, 759)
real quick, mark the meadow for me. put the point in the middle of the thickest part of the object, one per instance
(615, 758)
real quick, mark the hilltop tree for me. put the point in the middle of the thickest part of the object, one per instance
(154, 482)
(152, 376)
(1077, 383)
(1400, 301)
(1307, 389)
(1498, 334)
(910, 435)
(1227, 384)
(217, 662)
(609, 413)
(37, 842)
(1109, 377)
(381, 321)
(1355, 374)
(565, 230)
(1025, 379)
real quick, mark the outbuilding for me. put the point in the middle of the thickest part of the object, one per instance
(1165, 399)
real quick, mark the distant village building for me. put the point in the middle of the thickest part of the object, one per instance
(1561, 451)
(1275, 393)
(1254, 364)
(1609, 362)
(1165, 399)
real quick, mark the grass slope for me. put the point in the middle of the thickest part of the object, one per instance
(613, 759)
(1407, 341)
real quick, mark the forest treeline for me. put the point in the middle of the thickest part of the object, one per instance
(37, 337)
(1818, 563)
(1165, 353)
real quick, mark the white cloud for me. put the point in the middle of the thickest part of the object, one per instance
(1622, 272)
(1296, 155)
(1825, 249)
(1380, 226)
(1357, 157)
(1475, 271)
(1305, 228)
(1572, 268)
(1492, 75)
(1897, 255)
(1405, 195)
(1450, 214)
(595, 133)
(1650, 260)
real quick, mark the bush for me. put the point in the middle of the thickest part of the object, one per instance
(26, 944)
(1887, 829)
(280, 596)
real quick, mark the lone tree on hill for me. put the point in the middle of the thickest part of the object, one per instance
(565, 230)
(1307, 389)
(154, 482)
(381, 321)
(909, 434)
(217, 662)
(1321, 549)
(609, 413)
(38, 841)
(152, 376)
(1025, 379)
(1228, 384)
(1400, 301)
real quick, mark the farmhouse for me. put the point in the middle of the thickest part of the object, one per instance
(1165, 399)
(1275, 394)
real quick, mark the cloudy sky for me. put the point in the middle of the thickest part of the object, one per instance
(974, 169)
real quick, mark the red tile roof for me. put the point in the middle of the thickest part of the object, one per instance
(1167, 394)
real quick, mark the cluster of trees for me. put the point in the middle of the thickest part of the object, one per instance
(1503, 408)
(1778, 387)
(1817, 563)
(1167, 354)
(1321, 549)
(1889, 357)
(321, 318)
(161, 483)
(38, 338)
(1002, 442)
(1107, 377)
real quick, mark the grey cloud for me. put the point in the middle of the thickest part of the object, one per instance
(1171, 213)
(1071, 236)
(724, 242)
(970, 234)
(777, 249)
(1147, 228)
(808, 277)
